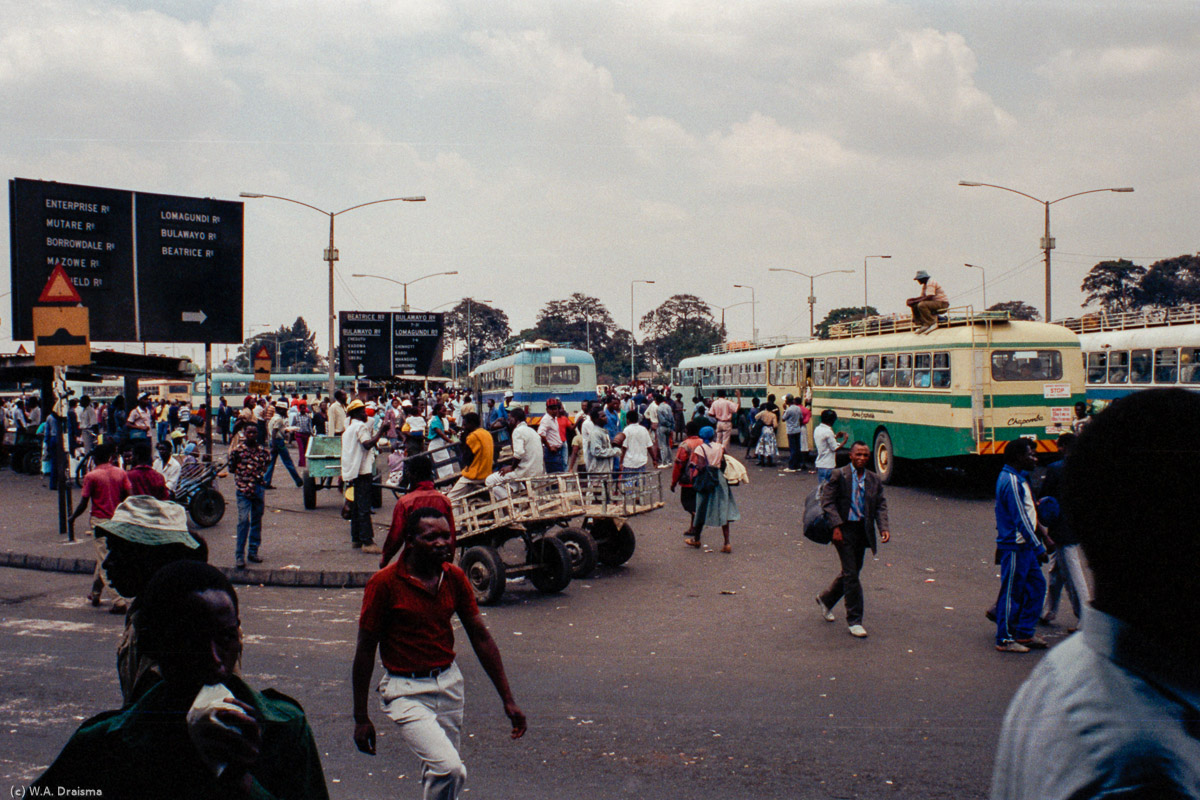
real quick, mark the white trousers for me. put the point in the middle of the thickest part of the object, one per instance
(429, 713)
(1066, 571)
(496, 482)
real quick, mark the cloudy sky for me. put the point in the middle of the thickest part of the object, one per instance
(577, 146)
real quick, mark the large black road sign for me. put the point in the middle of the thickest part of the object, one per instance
(149, 267)
(383, 343)
(189, 268)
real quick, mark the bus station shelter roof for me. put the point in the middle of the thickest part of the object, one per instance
(105, 364)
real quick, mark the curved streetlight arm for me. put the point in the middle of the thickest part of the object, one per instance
(1092, 191)
(417, 199)
(288, 200)
(1007, 189)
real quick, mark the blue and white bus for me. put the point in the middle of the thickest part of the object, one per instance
(1128, 352)
(535, 372)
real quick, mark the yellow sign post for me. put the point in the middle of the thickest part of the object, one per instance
(61, 336)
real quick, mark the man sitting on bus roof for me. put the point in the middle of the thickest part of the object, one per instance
(928, 303)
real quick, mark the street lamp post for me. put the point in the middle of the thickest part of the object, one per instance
(753, 309)
(983, 272)
(812, 296)
(632, 336)
(867, 305)
(330, 256)
(1047, 241)
(404, 283)
(724, 308)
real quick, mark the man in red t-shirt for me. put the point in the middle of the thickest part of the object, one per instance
(144, 478)
(406, 615)
(422, 495)
(105, 487)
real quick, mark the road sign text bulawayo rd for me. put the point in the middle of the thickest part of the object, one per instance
(379, 343)
(151, 267)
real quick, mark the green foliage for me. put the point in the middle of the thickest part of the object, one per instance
(487, 326)
(1113, 285)
(1170, 282)
(681, 327)
(1017, 310)
(848, 314)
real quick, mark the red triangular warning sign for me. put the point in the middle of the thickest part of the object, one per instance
(59, 288)
(21, 351)
(263, 354)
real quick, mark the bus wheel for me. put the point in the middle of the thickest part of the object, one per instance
(885, 457)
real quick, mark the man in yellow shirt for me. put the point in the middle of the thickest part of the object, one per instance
(479, 446)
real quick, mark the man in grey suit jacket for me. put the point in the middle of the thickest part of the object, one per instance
(853, 501)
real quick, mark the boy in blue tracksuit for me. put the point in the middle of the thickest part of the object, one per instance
(1020, 553)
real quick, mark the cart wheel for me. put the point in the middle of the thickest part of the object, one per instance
(485, 572)
(618, 548)
(310, 492)
(581, 549)
(376, 495)
(552, 565)
(207, 507)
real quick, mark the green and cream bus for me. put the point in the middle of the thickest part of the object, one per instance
(960, 392)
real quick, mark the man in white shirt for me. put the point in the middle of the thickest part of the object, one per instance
(554, 457)
(526, 448)
(358, 463)
(636, 446)
(722, 410)
(827, 444)
(337, 414)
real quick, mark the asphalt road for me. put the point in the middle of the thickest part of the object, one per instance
(683, 674)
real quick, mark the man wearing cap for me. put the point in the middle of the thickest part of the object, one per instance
(143, 535)
(138, 423)
(358, 463)
(526, 448)
(248, 461)
(927, 305)
(277, 426)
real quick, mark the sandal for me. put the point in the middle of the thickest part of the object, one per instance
(94, 599)
(726, 549)
(692, 543)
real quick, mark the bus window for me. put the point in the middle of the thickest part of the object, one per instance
(904, 369)
(843, 371)
(1140, 366)
(675, 376)
(941, 371)
(818, 372)
(872, 371)
(555, 375)
(1118, 366)
(856, 370)
(1097, 367)
(1026, 365)
(1166, 365)
(921, 365)
(1189, 365)
(887, 371)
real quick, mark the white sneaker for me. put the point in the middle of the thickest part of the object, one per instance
(858, 631)
(826, 612)
(788, 469)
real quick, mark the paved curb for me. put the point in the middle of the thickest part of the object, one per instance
(307, 578)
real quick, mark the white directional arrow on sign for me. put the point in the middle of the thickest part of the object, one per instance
(194, 316)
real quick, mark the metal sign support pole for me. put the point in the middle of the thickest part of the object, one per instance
(62, 456)
(208, 406)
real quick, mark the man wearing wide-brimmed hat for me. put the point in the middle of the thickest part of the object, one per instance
(928, 303)
(143, 535)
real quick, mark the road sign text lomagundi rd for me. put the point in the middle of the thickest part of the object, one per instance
(381, 343)
(150, 267)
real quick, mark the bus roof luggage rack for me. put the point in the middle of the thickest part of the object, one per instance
(762, 344)
(1099, 321)
(897, 323)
